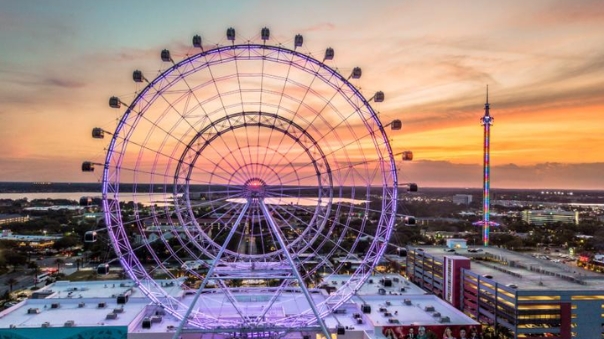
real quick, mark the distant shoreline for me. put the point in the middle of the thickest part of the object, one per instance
(56, 187)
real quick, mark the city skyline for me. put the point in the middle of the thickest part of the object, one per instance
(542, 61)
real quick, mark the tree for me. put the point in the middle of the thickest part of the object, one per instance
(67, 242)
(59, 262)
(14, 259)
(10, 282)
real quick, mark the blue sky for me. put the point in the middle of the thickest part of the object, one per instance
(543, 61)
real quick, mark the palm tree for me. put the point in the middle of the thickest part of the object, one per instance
(78, 263)
(36, 271)
(11, 282)
(59, 262)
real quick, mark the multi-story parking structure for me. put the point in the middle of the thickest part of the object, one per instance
(516, 294)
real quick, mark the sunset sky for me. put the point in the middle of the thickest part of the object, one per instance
(543, 61)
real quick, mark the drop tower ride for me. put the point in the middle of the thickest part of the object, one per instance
(486, 121)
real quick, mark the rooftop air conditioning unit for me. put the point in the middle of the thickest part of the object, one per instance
(429, 308)
(111, 316)
(45, 324)
(445, 320)
(33, 311)
(54, 305)
(69, 323)
(146, 323)
(408, 302)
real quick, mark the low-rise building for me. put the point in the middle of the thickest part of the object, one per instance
(515, 293)
(386, 306)
(543, 217)
(10, 218)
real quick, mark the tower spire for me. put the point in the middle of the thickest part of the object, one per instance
(486, 104)
(486, 122)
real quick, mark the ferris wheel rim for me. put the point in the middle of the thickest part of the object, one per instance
(107, 184)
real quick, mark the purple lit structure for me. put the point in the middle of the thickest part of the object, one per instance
(258, 161)
(486, 121)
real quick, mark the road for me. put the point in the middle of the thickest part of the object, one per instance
(25, 277)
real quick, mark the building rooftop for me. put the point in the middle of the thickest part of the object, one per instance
(391, 298)
(105, 289)
(414, 310)
(523, 270)
(35, 313)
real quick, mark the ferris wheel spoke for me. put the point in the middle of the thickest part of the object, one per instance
(279, 212)
(264, 160)
(307, 90)
(238, 146)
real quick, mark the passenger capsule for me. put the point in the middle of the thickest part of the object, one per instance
(114, 102)
(329, 53)
(90, 236)
(98, 133)
(378, 97)
(165, 56)
(231, 34)
(396, 125)
(137, 76)
(85, 201)
(103, 269)
(407, 156)
(412, 187)
(265, 34)
(410, 221)
(356, 73)
(197, 41)
(298, 40)
(87, 166)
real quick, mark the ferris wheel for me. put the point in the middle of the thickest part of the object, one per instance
(257, 171)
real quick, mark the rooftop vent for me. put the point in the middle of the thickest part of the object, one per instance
(122, 299)
(69, 323)
(429, 308)
(118, 310)
(12, 326)
(408, 302)
(146, 323)
(81, 305)
(102, 305)
(111, 316)
(33, 311)
(45, 324)
(436, 314)
(54, 305)
(445, 320)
